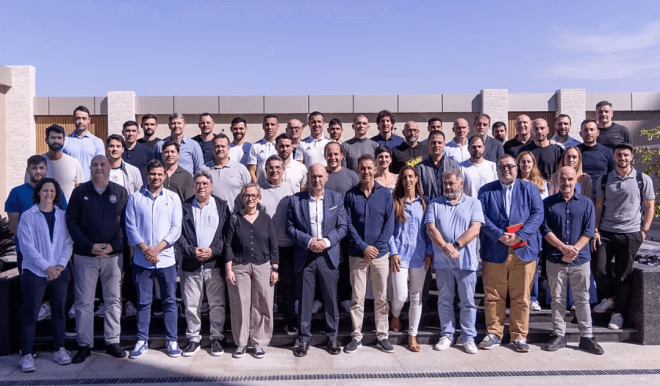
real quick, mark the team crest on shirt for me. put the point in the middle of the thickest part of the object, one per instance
(414, 161)
(113, 199)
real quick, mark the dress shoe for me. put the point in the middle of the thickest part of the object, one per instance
(81, 355)
(334, 348)
(555, 343)
(115, 351)
(301, 350)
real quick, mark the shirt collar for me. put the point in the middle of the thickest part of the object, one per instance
(320, 199)
(504, 187)
(147, 193)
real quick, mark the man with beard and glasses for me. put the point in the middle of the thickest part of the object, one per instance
(205, 136)
(240, 148)
(135, 153)
(411, 152)
(81, 144)
(477, 171)
(294, 129)
(149, 125)
(65, 169)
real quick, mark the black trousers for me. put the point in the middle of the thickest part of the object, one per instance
(318, 266)
(129, 293)
(615, 279)
(344, 286)
(286, 286)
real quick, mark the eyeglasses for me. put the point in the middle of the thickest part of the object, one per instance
(251, 196)
(507, 167)
(295, 128)
(202, 183)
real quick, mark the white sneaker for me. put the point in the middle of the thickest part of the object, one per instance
(443, 344)
(616, 322)
(316, 307)
(604, 305)
(44, 311)
(62, 356)
(470, 347)
(534, 306)
(27, 364)
(129, 309)
(100, 312)
(346, 305)
(72, 313)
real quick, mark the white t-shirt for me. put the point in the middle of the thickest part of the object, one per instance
(66, 171)
(477, 175)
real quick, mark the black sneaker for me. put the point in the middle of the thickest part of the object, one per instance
(259, 353)
(239, 352)
(83, 353)
(352, 346)
(555, 343)
(191, 349)
(115, 351)
(590, 345)
(385, 345)
(216, 348)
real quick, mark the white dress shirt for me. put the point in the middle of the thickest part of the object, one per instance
(316, 220)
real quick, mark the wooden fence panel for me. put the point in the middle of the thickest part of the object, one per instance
(98, 126)
(547, 115)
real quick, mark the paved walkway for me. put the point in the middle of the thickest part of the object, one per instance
(501, 366)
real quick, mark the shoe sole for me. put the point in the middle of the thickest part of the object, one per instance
(386, 351)
(489, 347)
(189, 354)
(217, 353)
(440, 349)
(64, 363)
(173, 355)
(30, 370)
(237, 356)
(259, 356)
(131, 356)
(613, 327)
(599, 311)
(521, 350)
(71, 334)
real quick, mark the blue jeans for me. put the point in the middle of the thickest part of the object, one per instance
(33, 288)
(466, 281)
(144, 283)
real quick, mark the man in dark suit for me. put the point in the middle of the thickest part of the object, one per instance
(316, 222)
(509, 202)
(205, 222)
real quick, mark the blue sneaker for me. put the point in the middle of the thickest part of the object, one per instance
(140, 348)
(490, 341)
(173, 349)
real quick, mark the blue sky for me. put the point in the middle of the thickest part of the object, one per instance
(86, 48)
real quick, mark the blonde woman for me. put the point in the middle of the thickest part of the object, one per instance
(572, 157)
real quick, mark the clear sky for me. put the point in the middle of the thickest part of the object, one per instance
(87, 48)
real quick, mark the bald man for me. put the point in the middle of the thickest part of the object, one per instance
(95, 220)
(522, 138)
(294, 128)
(547, 155)
(411, 152)
(316, 222)
(457, 148)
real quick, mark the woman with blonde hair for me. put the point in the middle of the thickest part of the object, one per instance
(572, 157)
(410, 252)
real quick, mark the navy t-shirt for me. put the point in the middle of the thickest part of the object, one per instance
(596, 161)
(139, 156)
(207, 148)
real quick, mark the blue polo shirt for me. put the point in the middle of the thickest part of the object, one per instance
(191, 156)
(20, 200)
(370, 219)
(568, 220)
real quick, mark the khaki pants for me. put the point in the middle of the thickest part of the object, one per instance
(193, 286)
(516, 277)
(378, 270)
(559, 276)
(251, 301)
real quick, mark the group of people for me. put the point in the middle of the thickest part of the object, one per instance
(319, 220)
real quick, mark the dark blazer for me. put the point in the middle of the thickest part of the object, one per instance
(298, 225)
(526, 208)
(188, 240)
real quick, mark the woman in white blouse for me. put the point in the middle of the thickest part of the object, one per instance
(46, 246)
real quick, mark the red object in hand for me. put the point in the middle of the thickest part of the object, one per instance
(514, 229)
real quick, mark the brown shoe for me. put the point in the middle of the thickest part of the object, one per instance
(396, 324)
(413, 345)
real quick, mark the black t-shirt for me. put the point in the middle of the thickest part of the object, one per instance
(614, 135)
(596, 161)
(512, 147)
(50, 220)
(547, 158)
(207, 148)
(150, 144)
(405, 155)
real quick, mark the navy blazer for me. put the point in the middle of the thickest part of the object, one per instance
(298, 225)
(526, 208)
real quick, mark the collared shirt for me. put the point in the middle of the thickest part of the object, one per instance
(392, 142)
(274, 202)
(206, 222)
(228, 181)
(139, 156)
(458, 153)
(569, 142)
(181, 183)
(312, 150)
(127, 176)
(260, 151)
(370, 219)
(39, 251)
(83, 149)
(191, 157)
(294, 173)
(508, 194)
(568, 220)
(151, 220)
(316, 219)
(410, 240)
(207, 147)
(477, 175)
(623, 209)
(452, 221)
(240, 153)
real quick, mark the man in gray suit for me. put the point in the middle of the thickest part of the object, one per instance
(316, 222)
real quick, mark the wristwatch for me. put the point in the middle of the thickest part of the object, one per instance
(456, 245)
(274, 269)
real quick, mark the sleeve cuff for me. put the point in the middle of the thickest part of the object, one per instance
(327, 243)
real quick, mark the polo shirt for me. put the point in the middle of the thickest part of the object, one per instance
(312, 150)
(597, 160)
(83, 149)
(228, 180)
(240, 153)
(493, 149)
(569, 142)
(259, 153)
(191, 157)
(622, 212)
(614, 135)
(512, 146)
(20, 200)
(181, 183)
(354, 148)
(207, 147)
(392, 142)
(342, 181)
(403, 155)
(275, 202)
(149, 144)
(139, 156)
(452, 221)
(547, 158)
(458, 153)
(568, 221)
(370, 220)
(294, 173)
